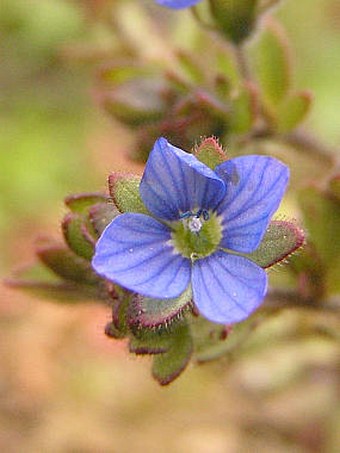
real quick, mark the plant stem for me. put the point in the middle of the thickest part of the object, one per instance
(242, 62)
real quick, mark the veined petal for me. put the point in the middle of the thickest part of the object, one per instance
(177, 4)
(176, 182)
(134, 251)
(254, 189)
(227, 288)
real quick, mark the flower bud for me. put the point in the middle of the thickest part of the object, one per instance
(235, 18)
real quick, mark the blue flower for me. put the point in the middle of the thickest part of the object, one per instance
(201, 224)
(177, 4)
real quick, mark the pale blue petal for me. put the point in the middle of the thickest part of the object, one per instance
(134, 251)
(254, 188)
(175, 182)
(227, 288)
(177, 4)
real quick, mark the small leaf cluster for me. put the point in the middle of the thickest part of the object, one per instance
(186, 95)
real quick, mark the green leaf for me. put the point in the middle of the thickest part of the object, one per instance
(79, 203)
(244, 109)
(210, 152)
(322, 218)
(136, 102)
(212, 341)
(61, 292)
(171, 347)
(150, 312)
(150, 341)
(282, 238)
(272, 64)
(118, 328)
(65, 264)
(169, 365)
(293, 111)
(124, 190)
(223, 87)
(116, 74)
(226, 66)
(120, 310)
(190, 67)
(209, 339)
(78, 236)
(112, 331)
(40, 282)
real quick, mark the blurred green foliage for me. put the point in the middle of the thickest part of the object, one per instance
(45, 109)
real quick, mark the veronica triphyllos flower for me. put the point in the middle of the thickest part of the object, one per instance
(177, 4)
(201, 224)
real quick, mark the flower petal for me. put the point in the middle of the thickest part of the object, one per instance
(134, 251)
(176, 182)
(177, 4)
(254, 188)
(227, 288)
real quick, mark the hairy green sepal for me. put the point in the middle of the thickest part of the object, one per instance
(77, 234)
(90, 214)
(281, 239)
(210, 152)
(80, 203)
(151, 312)
(124, 190)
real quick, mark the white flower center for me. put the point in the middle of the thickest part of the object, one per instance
(194, 224)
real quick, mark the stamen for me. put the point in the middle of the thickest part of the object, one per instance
(206, 215)
(186, 215)
(193, 220)
(199, 213)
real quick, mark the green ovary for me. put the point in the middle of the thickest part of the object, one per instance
(195, 245)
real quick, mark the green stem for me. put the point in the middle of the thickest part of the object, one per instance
(242, 62)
